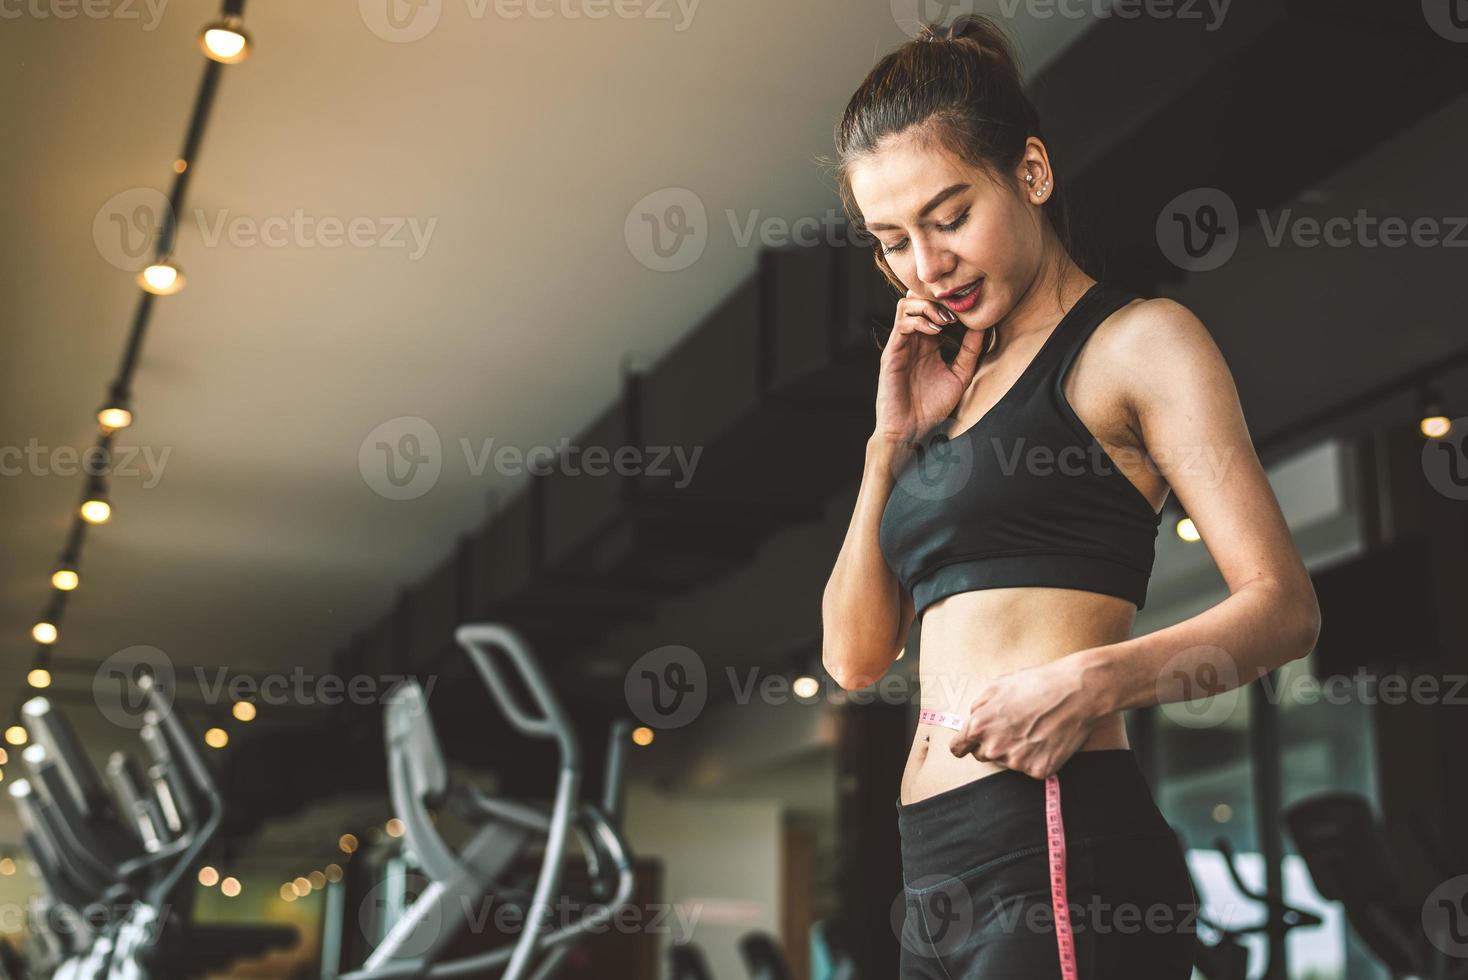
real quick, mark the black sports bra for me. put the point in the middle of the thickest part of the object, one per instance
(1026, 496)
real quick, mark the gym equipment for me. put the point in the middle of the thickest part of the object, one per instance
(113, 869)
(504, 829)
(1228, 959)
(1346, 851)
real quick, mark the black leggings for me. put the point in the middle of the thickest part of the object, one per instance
(976, 903)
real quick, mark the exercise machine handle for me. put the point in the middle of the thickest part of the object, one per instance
(551, 721)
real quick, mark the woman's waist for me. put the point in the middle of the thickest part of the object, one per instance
(1103, 795)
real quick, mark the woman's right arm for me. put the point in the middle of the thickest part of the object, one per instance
(865, 611)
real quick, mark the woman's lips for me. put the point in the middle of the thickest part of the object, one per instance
(966, 302)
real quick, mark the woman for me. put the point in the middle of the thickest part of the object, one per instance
(1010, 501)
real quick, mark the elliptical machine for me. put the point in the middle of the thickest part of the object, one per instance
(504, 829)
(1228, 958)
(113, 873)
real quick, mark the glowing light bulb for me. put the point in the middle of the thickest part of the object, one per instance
(38, 677)
(16, 735)
(1187, 530)
(208, 876)
(114, 418)
(65, 579)
(230, 887)
(216, 738)
(225, 41)
(161, 279)
(243, 711)
(44, 632)
(1435, 426)
(96, 511)
(642, 735)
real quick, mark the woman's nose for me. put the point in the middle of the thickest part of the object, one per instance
(933, 263)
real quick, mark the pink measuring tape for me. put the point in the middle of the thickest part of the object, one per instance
(1055, 839)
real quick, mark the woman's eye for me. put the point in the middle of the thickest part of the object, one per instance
(956, 224)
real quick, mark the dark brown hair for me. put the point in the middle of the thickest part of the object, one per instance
(957, 87)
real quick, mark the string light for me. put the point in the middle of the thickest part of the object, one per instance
(95, 509)
(394, 827)
(347, 843)
(1434, 423)
(216, 738)
(243, 711)
(230, 887)
(287, 892)
(1187, 530)
(208, 876)
(161, 279)
(225, 41)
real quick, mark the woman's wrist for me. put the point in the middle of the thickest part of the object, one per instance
(1097, 668)
(888, 450)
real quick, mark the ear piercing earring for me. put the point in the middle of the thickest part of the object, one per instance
(1030, 179)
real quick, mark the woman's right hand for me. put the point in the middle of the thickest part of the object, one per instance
(915, 388)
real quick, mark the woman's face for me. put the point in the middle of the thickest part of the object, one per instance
(943, 226)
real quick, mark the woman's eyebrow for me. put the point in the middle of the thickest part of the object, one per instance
(937, 199)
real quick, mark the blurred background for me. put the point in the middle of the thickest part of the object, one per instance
(546, 313)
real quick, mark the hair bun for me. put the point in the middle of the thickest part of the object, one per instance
(968, 25)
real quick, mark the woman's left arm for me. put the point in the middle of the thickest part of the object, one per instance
(1192, 427)
(1186, 410)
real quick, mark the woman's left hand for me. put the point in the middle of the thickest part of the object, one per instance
(1030, 720)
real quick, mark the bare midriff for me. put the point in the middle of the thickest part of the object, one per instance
(971, 637)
